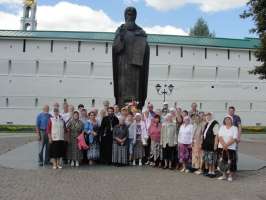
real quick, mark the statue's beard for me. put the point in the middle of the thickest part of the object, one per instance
(130, 25)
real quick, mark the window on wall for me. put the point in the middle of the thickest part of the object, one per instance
(193, 71)
(28, 12)
(64, 67)
(9, 66)
(37, 67)
(36, 102)
(205, 54)
(157, 50)
(106, 47)
(7, 102)
(181, 52)
(216, 72)
(225, 105)
(228, 54)
(249, 55)
(79, 45)
(52, 46)
(91, 68)
(250, 106)
(24, 45)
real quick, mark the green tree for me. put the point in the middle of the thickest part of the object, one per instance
(201, 28)
(257, 11)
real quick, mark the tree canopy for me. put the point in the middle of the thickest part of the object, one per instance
(201, 28)
(257, 11)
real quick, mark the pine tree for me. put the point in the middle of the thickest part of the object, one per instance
(201, 29)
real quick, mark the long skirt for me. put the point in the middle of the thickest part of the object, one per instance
(93, 152)
(57, 149)
(106, 149)
(119, 154)
(138, 150)
(169, 153)
(185, 153)
(155, 150)
(197, 155)
(73, 152)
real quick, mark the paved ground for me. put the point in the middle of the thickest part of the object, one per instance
(130, 183)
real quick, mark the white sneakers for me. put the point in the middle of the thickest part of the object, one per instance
(183, 170)
(230, 178)
(72, 164)
(134, 163)
(198, 172)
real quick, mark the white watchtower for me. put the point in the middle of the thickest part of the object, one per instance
(28, 21)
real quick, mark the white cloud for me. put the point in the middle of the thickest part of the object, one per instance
(9, 21)
(168, 30)
(69, 16)
(205, 5)
(11, 2)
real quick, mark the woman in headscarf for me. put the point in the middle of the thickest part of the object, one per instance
(120, 144)
(92, 133)
(74, 128)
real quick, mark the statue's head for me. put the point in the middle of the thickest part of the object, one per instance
(130, 14)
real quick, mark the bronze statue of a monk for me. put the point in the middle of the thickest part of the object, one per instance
(131, 54)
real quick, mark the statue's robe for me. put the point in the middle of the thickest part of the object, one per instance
(131, 54)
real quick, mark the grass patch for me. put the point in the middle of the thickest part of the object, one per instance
(253, 129)
(17, 128)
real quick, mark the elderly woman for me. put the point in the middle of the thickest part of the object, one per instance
(209, 145)
(154, 132)
(168, 141)
(56, 133)
(120, 144)
(184, 144)
(130, 124)
(92, 133)
(196, 143)
(228, 135)
(140, 137)
(74, 128)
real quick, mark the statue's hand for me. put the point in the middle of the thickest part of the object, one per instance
(122, 33)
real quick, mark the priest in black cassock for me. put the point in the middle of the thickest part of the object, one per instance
(131, 54)
(106, 133)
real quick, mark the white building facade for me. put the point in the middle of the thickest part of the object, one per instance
(43, 67)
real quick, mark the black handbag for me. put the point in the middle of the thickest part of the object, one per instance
(223, 164)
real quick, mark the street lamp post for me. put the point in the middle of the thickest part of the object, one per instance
(166, 90)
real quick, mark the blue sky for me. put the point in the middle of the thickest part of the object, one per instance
(225, 21)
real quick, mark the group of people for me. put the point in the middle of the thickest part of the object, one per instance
(189, 141)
